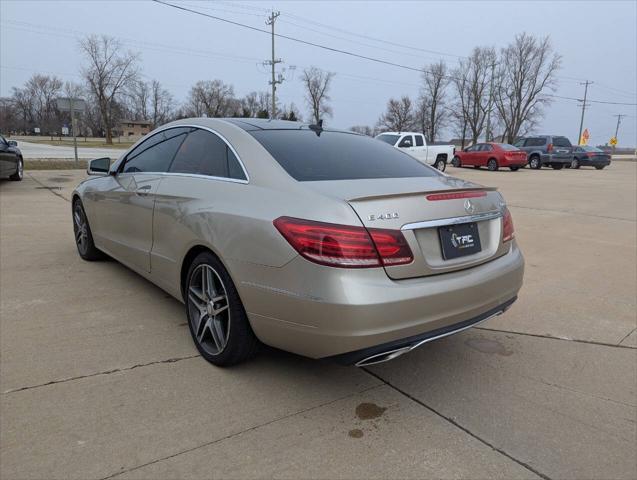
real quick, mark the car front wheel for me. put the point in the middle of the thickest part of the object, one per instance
(492, 165)
(535, 163)
(575, 163)
(19, 173)
(83, 236)
(218, 322)
(455, 161)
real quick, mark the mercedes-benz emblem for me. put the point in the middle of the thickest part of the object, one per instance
(469, 207)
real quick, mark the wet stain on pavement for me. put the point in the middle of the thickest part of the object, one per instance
(356, 433)
(59, 179)
(369, 411)
(486, 345)
(48, 188)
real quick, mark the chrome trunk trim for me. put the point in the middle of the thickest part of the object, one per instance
(478, 217)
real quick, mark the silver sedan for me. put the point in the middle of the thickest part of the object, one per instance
(320, 242)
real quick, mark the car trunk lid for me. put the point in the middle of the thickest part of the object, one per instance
(403, 204)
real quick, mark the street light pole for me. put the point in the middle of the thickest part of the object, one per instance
(270, 21)
(581, 122)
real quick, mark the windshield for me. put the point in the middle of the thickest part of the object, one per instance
(306, 156)
(507, 147)
(586, 148)
(391, 139)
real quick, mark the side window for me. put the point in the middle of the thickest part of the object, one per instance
(155, 154)
(534, 142)
(204, 153)
(487, 148)
(472, 148)
(407, 141)
(519, 143)
(419, 141)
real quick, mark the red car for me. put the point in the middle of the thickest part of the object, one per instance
(490, 155)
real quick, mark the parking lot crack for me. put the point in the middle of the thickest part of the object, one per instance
(97, 374)
(236, 434)
(46, 187)
(457, 425)
(563, 339)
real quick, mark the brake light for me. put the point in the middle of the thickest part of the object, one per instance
(344, 245)
(549, 147)
(508, 232)
(456, 195)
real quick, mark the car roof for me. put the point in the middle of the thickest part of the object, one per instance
(400, 133)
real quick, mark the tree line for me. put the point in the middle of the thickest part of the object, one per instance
(489, 93)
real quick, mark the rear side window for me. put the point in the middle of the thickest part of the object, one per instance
(419, 141)
(407, 141)
(391, 139)
(508, 147)
(306, 156)
(561, 142)
(156, 153)
(486, 148)
(204, 153)
(535, 142)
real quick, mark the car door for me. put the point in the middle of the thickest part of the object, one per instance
(471, 155)
(196, 202)
(123, 208)
(486, 152)
(419, 150)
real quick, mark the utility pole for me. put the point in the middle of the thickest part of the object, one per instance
(619, 121)
(490, 103)
(581, 122)
(270, 21)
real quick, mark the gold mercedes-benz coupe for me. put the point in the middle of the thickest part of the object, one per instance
(321, 242)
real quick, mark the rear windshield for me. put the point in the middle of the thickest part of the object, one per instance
(507, 147)
(308, 157)
(561, 142)
(391, 139)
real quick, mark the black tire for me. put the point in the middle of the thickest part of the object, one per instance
(535, 163)
(455, 161)
(599, 167)
(239, 341)
(557, 166)
(575, 163)
(440, 164)
(83, 236)
(17, 176)
(514, 168)
(492, 165)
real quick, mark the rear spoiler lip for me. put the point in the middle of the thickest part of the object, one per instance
(421, 192)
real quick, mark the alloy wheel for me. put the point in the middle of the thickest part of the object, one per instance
(80, 228)
(20, 169)
(208, 309)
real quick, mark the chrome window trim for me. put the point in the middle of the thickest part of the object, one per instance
(214, 132)
(193, 175)
(441, 222)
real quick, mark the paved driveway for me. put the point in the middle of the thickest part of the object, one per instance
(100, 379)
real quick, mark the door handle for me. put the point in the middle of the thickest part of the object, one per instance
(143, 190)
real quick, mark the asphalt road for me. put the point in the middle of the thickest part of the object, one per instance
(100, 379)
(32, 151)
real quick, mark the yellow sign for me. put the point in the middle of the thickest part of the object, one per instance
(613, 141)
(585, 136)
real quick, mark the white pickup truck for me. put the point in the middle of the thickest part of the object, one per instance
(415, 145)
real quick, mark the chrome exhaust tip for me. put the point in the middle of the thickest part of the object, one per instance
(383, 357)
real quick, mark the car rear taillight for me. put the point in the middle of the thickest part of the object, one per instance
(549, 147)
(456, 195)
(344, 245)
(508, 231)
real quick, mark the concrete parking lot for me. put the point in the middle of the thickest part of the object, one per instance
(99, 377)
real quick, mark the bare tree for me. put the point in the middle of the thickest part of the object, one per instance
(22, 102)
(527, 69)
(137, 96)
(364, 130)
(398, 117)
(108, 72)
(317, 84)
(162, 104)
(471, 80)
(290, 113)
(433, 99)
(421, 113)
(212, 98)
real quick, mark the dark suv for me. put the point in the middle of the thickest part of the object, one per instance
(550, 150)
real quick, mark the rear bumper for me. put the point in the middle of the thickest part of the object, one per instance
(520, 162)
(551, 158)
(323, 312)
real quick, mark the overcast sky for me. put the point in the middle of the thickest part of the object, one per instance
(598, 42)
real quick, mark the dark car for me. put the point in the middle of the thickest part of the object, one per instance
(553, 150)
(585, 156)
(11, 163)
(490, 155)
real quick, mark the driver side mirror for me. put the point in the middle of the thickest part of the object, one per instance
(12, 143)
(99, 166)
